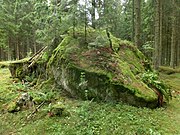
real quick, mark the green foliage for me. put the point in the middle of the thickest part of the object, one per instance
(83, 84)
(147, 47)
(38, 97)
(100, 41)
(87, 117)
(152, 80)
(43, 95)
(20, 86)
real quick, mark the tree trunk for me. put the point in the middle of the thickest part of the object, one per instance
(93, 15)
(137, 37)
(9, 49)
(178, 53)
(1, 54)
(17, 49)
(173, 37)
(160, 32)
(132, 38)
(85, 22)
(178, 34)
(157, 34)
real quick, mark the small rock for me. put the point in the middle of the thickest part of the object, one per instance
(24, 100)
(56, 109)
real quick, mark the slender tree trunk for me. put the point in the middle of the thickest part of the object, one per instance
(9, 49)
(0, 53)
(13, 44)
(93, 15)
(17, 49)
(163, 34)
(168, 43)
(137, 37)
(35, 48)
(157, 34)
(173, 37)
(85, 22)
(178, 33)
(160, 32)
(132, 38)
(25, 47)
(178, 53)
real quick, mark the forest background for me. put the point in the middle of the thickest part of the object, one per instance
(153, 25)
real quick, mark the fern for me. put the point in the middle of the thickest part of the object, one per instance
(152, 80)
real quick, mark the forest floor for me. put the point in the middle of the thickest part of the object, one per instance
(87, 117)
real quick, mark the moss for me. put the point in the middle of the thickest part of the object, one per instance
(58, 51)
(19, 71)
(18, 68)
(13, 107)
(57, 109)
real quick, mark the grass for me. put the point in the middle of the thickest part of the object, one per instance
(87, 117)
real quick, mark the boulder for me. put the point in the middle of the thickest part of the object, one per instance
(98, 66)
(22, 101)
(87, 68)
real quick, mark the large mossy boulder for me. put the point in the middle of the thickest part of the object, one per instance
(87, 68)
(96, 65)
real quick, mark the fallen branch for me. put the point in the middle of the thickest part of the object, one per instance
(36, 110)
(37, 53)
(36, 56)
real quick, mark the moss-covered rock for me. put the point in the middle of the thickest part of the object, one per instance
(57, 109)
(20, 102)
(92, 70)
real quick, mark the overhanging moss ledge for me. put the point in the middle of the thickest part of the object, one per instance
(99, 86)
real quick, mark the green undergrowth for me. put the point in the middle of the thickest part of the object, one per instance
(84, 117)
